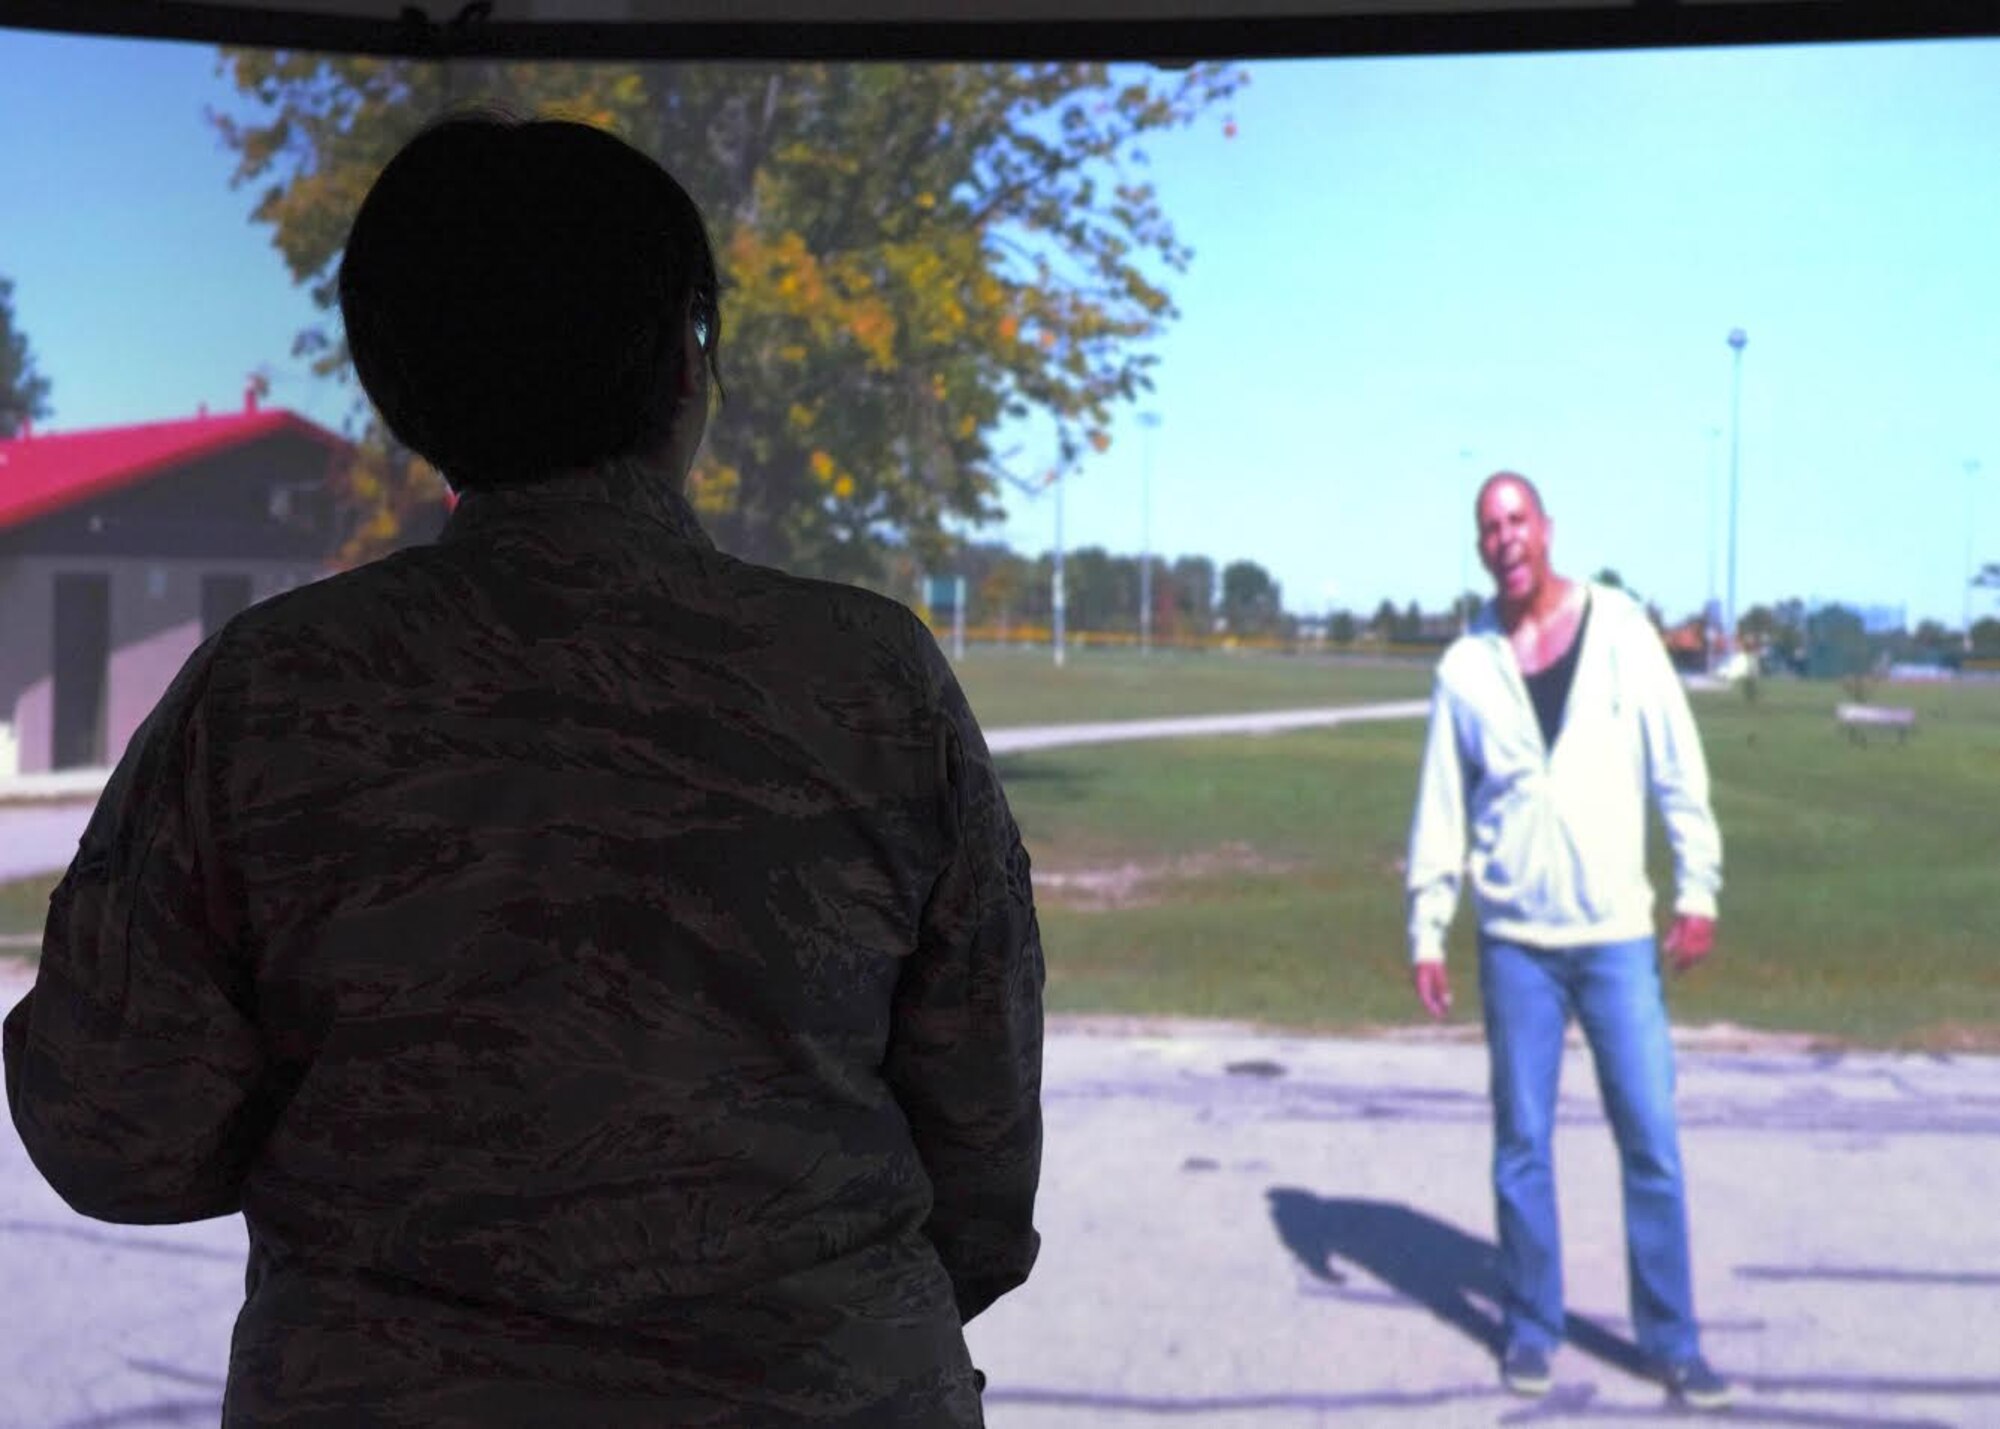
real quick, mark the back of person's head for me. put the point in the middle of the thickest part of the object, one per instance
(517, 295)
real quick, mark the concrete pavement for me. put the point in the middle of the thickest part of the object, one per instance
(1266, 1232)
(39, 838)
(1020, 738)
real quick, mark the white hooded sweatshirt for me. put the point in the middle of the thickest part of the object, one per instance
(1557, 839)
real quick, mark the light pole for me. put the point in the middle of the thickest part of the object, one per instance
(1151, 422)
(1714, 483)
(1971, 488)
(1737, 338)
(1033, 490)
(1058, 635)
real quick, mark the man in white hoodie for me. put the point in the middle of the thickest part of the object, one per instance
(1552, 720)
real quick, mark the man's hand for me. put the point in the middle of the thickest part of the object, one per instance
(1434, 989)
(1690, 941)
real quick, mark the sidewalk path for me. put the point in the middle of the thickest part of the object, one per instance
(1019, 738)
(39, 838)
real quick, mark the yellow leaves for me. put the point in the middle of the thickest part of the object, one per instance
(926, 201)
(968, 425)
(799, 417)
(384, 497)
(826, 471)
(713, 487)
(1010, 328)
(577, 111)
(805, 302)
(875, 333)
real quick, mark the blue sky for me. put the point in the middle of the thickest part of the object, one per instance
(1535, 260)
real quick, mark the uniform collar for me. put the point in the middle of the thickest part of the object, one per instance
(617, 487)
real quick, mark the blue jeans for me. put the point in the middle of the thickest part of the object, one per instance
(1613, 990)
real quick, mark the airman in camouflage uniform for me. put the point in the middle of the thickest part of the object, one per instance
(603, 973)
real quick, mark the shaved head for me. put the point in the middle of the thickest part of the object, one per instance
(1508, 478)
(1513, 532)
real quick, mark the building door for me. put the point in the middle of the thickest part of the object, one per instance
(82, 670)
(222, 597)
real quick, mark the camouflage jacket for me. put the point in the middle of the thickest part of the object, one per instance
(603, 973)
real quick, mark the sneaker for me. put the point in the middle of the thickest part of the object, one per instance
(1698, 1386)
(1525, 1371)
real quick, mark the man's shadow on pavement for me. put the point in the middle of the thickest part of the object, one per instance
(1423, 1259)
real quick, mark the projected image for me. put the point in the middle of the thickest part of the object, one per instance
(1403, 526)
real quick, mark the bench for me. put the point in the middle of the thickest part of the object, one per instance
(1857, 720)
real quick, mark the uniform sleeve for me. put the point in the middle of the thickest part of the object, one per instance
(1677, 770)
(1437, 835)
(133, 1069)
(965, 1056)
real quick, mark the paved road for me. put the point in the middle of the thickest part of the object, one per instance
(1252, 1232)
(40, 836)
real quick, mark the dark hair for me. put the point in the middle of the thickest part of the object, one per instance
(515, 294)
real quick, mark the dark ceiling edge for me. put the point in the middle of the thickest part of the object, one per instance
(1642, 24)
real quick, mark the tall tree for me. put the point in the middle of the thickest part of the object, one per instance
(1101, 590)
(1192, 581)
(1837, 643)
(911, 255)
(1250, 599)
(24, 392)
(1778, 630)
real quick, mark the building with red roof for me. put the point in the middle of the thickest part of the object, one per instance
(122, 548)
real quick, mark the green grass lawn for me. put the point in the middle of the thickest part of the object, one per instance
(1023, 686)
(1261, 878)
(24, 904)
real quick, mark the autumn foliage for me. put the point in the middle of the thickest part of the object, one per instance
(912, 255)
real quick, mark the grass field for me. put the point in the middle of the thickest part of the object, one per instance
(1260, 878)
(23, 905)
(1022, 686)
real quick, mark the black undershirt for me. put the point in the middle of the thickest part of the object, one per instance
(1549, 688)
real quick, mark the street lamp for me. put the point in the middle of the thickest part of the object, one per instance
(1151, 422)
(1971, 488)
(1034, 489)
(1737, 338)
(1714, 483)
(1058, 632)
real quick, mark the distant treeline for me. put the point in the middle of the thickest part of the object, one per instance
(1192, 599)
(1197, 602)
